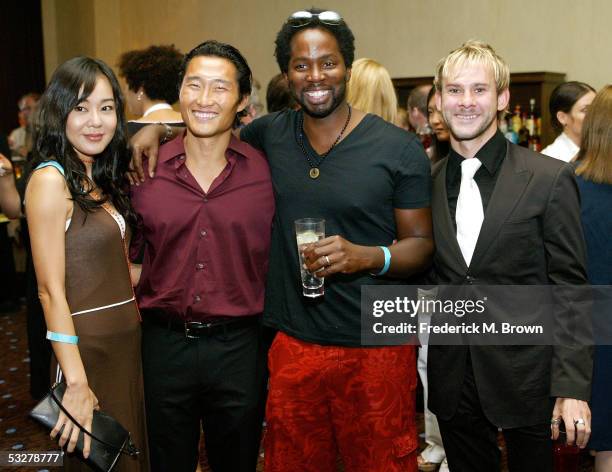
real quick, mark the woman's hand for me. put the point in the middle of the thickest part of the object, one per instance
(6, 166)
(80, 402)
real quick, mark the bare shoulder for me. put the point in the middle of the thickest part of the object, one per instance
(46, 189)
(47, 176)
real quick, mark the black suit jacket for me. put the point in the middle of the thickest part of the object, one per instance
(531, 235)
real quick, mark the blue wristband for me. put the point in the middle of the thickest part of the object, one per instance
(385, 268)
(62, 338)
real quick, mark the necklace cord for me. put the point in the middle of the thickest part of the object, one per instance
(312, 161)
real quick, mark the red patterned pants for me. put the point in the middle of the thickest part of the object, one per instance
(330, 400)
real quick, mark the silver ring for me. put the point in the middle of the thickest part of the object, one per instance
(579, 421)
(555, 421)
(327, 261)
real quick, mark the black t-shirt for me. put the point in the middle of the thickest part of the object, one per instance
(375, 169)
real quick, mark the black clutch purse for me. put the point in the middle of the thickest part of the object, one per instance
(108, 438)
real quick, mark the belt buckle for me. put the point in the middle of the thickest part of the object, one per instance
(195, 326)
(189, 326)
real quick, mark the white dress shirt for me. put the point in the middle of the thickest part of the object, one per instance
(562, 148)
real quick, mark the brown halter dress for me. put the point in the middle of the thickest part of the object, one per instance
(106, 319)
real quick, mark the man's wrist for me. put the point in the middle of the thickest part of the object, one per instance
(166, 133)
(376, 260)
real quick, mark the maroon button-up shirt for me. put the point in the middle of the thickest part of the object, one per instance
(205, 253)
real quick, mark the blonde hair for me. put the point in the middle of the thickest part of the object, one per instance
(371, 90)
(401, 118)
(595, 155)
(474, 52)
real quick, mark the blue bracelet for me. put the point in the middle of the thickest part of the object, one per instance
(385, 268)
(62, 338)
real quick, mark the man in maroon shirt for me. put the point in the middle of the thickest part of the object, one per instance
(205, 228)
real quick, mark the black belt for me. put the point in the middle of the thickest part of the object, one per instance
(196, 329)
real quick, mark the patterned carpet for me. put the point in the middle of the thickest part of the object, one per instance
(19, 433)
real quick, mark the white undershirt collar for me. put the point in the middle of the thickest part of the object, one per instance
(157, 106)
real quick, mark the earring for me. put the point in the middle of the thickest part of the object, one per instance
(139, 96)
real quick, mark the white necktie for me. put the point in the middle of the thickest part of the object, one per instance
(469, 214)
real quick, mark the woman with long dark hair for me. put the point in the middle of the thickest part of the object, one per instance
(568, 105)
(441, 135)
(79, 217)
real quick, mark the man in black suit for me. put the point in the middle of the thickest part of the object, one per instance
(503, 215)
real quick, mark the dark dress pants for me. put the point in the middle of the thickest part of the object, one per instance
(470, 439)
(218, 381)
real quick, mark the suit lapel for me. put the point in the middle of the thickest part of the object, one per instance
(442, 219)
(511, 183)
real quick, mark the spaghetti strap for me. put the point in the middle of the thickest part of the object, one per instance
(55, 164)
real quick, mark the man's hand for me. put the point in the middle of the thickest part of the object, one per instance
(335, 254)
(145, 143)
(577, 418)
(410, 253)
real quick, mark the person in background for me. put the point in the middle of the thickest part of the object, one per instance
(401, 120)
(568, 105)
(11, 197)
(78, 216)
(433, 454)
(10, 203)
(416, 106)
(18, 139)
(370, 90)
(594, 176)
(278, 96)
(440, 143)
(417, 115)
(254, 108)
(151, 75)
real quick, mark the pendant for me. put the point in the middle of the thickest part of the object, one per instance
(314, 173)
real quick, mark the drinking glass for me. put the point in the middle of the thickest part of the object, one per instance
(307, 231)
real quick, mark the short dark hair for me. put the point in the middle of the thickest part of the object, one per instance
(278, 96)
(71, 83)
(224, 51)
(341, 31)
(155, 69)
(419, 99)
(563, 98)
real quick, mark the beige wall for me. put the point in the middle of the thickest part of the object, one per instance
(408, 36)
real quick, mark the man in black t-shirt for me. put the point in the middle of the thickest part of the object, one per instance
(370, 181)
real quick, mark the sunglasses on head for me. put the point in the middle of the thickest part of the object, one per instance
(303, 18)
